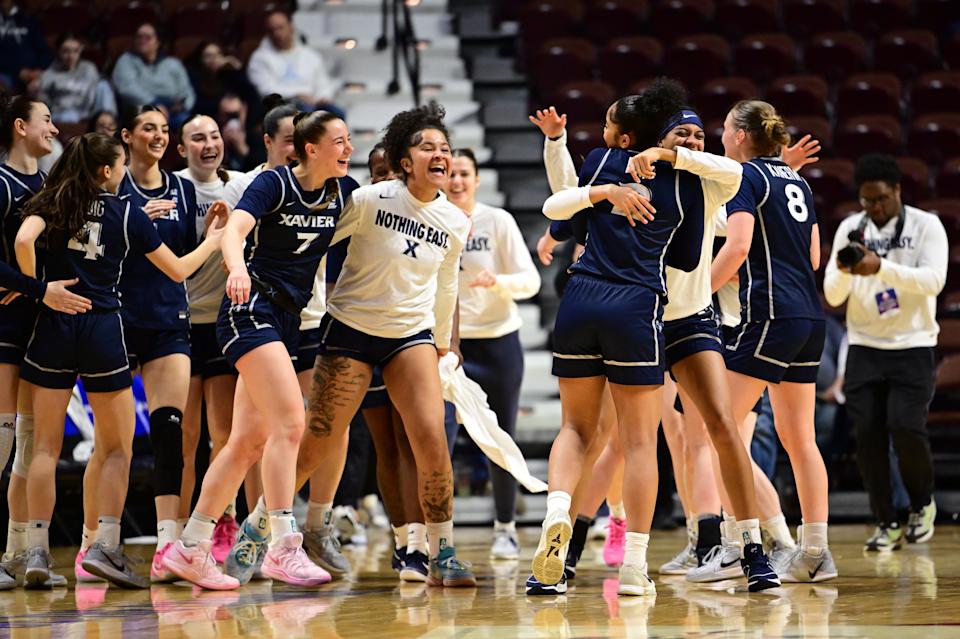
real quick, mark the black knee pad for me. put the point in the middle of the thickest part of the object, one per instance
(166, 437)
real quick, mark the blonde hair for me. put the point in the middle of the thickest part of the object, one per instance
(763, 124)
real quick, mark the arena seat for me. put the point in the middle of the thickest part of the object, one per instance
(831, 181)
(804, 18)
(836, 55)
(873, 17)
(583, 138)
(204, 19)
(765, 56)
(915, 178)
(936, 15)
(947, 209)
(868, 134)
(804, 95)
(951, 51)
(696, 59)
(948, 341)
(626, 60)
(935, 91)
(608, 19)
(737, 18)
(67, 16)
(906, 52)
(717, 96)
(544, 20)
(935, 137)
(125, 20)
(869, 94)
(816, 126)
(584, 101)
(948, 179)
(562, 60)
(672, 19)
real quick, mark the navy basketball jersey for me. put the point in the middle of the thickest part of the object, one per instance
(291, 234)
(116, 233)
(637, 255)
(15, 189)
(777, 280)
(150, 298)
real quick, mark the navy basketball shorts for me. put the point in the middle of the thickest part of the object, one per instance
(376, 396)
(340, 340)
(691, 335)
(90, 345)
(610, 329)
(16, 325)
(779, 350)
(147, 344)
(206, 360)
(244, 327)
(308, 350)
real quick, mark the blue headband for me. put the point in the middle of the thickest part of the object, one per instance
(685, 116)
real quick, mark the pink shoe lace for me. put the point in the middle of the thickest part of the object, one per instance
(614, 546)
(224, 537)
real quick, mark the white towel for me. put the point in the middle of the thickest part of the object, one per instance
(481, 423)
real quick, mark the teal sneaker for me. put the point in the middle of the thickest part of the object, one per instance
(448, 571)
(246, 556)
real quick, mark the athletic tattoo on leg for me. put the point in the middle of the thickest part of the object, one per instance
(335, 385)
(437, 496)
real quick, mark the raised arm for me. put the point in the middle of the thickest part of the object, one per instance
(180, 268)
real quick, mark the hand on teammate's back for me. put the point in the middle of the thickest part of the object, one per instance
(634, 206)
(59, 298)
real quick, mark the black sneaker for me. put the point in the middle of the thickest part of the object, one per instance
(399, 555)
(536, 589)
(757, 569)
(111, 564)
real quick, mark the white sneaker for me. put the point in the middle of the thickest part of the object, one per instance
(599, 528)
(802, 566)
(551, 555)
(722, 562)
(682, 563)
(635, 581)
(349, 529)
(376, 516)
(505, 544)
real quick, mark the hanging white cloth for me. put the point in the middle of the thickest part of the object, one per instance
(481, 423)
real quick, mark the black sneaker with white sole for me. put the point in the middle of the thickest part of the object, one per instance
(536, 589)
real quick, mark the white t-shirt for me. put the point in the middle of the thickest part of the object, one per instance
(205, 290)
(400, 276)
(495, 245)
(911, 275)
(311, 315)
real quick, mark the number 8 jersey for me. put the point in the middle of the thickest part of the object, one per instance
(777, 280)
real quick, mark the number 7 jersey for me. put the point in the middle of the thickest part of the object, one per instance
(777, 279)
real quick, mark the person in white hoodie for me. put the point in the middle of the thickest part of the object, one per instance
(284, 65)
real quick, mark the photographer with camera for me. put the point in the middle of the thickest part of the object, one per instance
(888, 263)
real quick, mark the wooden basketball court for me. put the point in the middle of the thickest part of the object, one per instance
(914, 592)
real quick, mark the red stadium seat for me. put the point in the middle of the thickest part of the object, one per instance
(906, 52)
(562, 60)
(246, 47)
(638, 86)
(935, 137)
(819, 128)
(935, 91)
(948, 210)
(184, 47)
(799, 95)
(836, 55)
(915, 178)
(831, 181)
(204, 19)
(869, 94)
(948, 180)
(68, 16)
(803, 18)
(671, 19)
(737, 18)
(125, 20)
(873, 17)
(714, 132)
(695, 59)
(868, 134)
(544, 20)
(584, 101)
(936, 14)
(626, 60)
(716, 97)
(608, 19)
(951, 51)
(764, 57)
(583, 138)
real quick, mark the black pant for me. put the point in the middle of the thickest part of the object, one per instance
(888, 396)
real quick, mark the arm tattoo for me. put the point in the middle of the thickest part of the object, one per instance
(437, 497)
(336, 384)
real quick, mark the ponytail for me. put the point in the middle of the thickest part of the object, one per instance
(763, 124)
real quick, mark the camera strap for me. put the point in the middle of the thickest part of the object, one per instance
(895, 241)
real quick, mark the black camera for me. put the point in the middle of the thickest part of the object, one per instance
(851, 255)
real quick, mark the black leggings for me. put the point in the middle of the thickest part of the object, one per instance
(496, 364)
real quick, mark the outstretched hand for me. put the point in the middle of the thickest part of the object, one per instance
(802, 153)
(550, 123)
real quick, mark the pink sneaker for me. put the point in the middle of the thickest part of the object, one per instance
(614, 546)
(224, 537)
(196, 565)
(288, 562)
(83, 576)
(158, 572)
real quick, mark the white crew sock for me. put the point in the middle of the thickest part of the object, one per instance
(259, 519)
(166, 532)
(749, 531)
(319, 515)
(87, 537)
(777, 528)
(635, 553)
(282, 524)
(558, 501)
(417, 538)
(814, 537)
(17, 536)
(510, 526)
(400, 536)
(199, 528)
(38, 533)
(108, 531)
(439, 536)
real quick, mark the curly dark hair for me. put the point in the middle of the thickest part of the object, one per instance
(404, 129)
(877, 167)
(644, 116)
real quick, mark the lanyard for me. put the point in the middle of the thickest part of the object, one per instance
(895, 241)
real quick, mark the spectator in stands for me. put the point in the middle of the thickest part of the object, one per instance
(73, 87)
(144, 76)
(282, 64)
(233, 116)
(103, 122)
(24, 53)
(830, 384)
(214, 74)
(889, 263)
